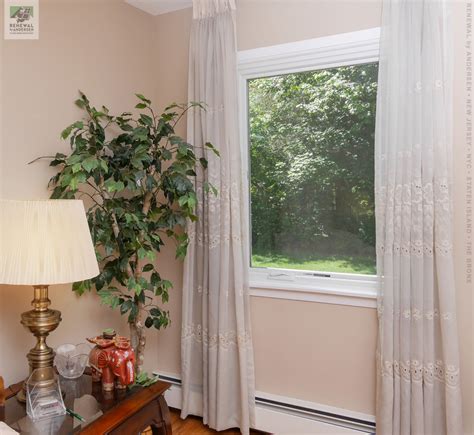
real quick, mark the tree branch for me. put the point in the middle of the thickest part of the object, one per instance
(92, 197)
(40, 158)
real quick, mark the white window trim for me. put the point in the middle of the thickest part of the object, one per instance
(320, 53)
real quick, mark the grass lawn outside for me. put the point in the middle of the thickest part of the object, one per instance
(336, 263)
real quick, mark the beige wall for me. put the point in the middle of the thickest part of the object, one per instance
(103, 48)
(268, 22)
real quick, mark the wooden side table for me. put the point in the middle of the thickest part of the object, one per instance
(123, 413)
(146, 408)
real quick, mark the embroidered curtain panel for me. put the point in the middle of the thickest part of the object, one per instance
(217, 356)
(418, 364)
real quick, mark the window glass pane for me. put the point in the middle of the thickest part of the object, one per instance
(312, 169)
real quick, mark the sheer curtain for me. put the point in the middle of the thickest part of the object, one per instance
(216, 345)
(418, 364)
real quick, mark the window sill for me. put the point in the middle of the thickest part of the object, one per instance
(334, 288)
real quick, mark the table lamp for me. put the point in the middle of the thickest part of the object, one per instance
(44, 243)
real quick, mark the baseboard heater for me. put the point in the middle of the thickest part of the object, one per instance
(331, 418)
(170, 379)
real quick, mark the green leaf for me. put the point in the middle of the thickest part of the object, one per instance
(149, 322)
(74, 158)
(148, 267)
(131, 283)
(133, 313)
(126, 306)
(115, 302)
(183, 200)
(83, 97)
(141, 97)
(73, 183)
(167, 284)
(66, 132)
(134, 286)
(90, 163)
(126, 127)
(171, 106)
(76, 168)
(155, 312)
(140, 133)
(212, 148)
(56, 162)
(157, 322)
(155, 279)
(104, 166)
(80, 103)
(107, 297)
(208, 187)
(57, 193)
(114, 186)
(147, 120)
(192, 200)
(81, 286)
(150, 182)
(140, 106)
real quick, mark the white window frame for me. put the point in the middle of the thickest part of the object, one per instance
(327, 52)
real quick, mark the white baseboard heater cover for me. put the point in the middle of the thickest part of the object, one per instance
(284, 415)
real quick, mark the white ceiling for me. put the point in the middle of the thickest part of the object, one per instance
(157, 7)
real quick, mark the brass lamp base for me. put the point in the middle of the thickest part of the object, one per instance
(40, 321)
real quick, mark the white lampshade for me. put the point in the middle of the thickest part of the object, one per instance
(45, 242)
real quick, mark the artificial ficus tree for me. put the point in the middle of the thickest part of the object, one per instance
(135, 172)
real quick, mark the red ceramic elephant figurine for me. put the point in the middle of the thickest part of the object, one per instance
(112, 361)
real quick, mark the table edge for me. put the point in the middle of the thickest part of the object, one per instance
(122, 411)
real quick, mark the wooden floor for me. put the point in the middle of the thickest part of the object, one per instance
(194, 426)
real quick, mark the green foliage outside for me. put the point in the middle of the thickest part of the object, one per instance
(326, 263)
(312, 169)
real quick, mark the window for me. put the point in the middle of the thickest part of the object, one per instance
(311, 144)
(308, 114)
